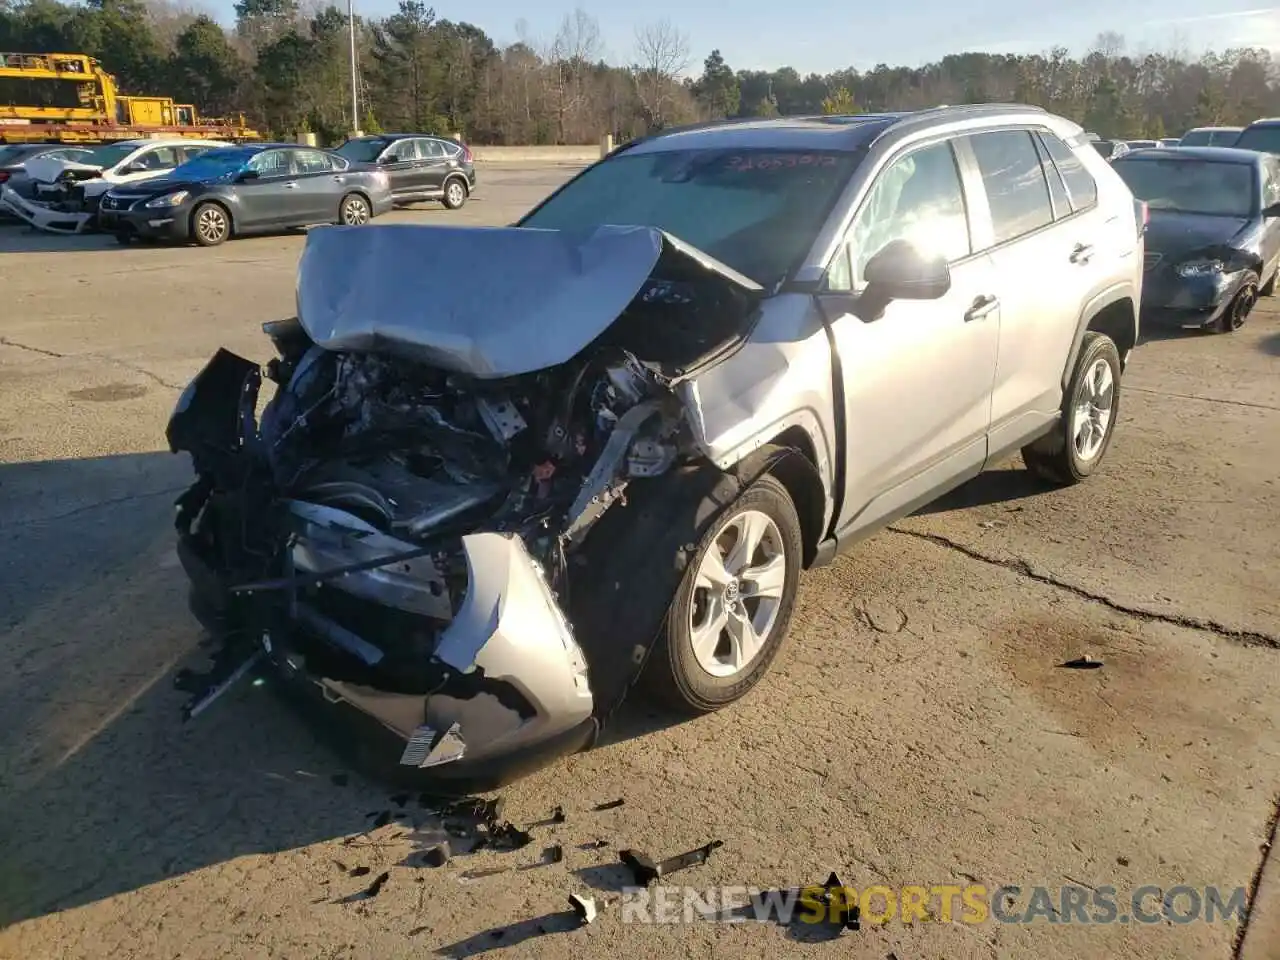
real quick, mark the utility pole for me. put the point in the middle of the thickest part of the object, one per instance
(355, 102)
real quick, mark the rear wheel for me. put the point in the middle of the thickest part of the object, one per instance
(734, 605)
(1241, 306)
(1079, 440)
(210, 225)
(354, 211)
(455, 194)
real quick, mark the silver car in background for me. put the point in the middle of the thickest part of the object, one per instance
(509, 474)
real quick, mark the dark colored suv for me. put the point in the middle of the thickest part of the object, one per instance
(1261, 135)
(421, 167)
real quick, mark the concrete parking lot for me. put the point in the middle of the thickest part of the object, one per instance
(915, 730)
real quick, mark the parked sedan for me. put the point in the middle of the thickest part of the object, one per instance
(242, 190)
(1213, 233)
(420, 167)
(1211, 137)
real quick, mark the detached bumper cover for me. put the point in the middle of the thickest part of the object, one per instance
(1170, 300)
(41, 216)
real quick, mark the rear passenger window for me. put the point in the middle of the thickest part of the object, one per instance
(311, 161)
(1271, 183)
(1015, 183)
(1057, 192)
(1080, 186)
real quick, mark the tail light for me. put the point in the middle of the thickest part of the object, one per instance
(1143, 217)
(4, 175)
(466, 154)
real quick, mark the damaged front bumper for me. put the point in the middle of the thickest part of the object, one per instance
(512, 693)
(43, 216)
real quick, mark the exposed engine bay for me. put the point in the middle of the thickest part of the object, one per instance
(65, 197)
(407, 538)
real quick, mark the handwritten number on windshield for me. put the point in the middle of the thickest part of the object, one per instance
(780, 161)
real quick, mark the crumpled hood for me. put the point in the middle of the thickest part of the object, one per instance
(1178, 234)
(48, 169)
(489, 302)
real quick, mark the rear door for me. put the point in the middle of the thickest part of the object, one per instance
(435, 165)
(319, 190)
(1044, 254)
(1271, 225)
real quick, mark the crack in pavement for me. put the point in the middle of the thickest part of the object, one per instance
(1192, 396)
(154, 377)
(111, 502)
(1249, 638)
(1255, 882)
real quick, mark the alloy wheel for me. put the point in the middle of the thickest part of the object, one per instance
(1091, 417)
(212, 225)
(737, 594)
(355, 212)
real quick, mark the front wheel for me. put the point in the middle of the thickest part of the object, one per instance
(734, 605)
(1079, 440)
(210, 225)
(1240, 307)
(354, 211)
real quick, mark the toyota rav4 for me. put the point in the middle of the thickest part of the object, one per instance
(506, 475)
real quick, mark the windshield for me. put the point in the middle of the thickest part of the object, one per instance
(214, 164)
(1211, 188)
(109, 155)
(1266, 139)
(363, 149)
(756, 210)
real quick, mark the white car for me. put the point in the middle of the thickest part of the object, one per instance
(66, 193)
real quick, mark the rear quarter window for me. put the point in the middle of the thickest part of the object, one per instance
(1017, 191)
(1081, 188)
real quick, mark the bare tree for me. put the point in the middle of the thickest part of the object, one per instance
(662, 53)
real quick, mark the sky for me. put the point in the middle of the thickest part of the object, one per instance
(824, 35)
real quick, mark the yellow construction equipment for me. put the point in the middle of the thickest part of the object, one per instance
(69, 98)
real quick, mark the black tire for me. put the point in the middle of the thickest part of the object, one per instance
(456, 192)
(210, 224)
(354, 211)
(673, 673)
(1055, 457)
(1241, 306)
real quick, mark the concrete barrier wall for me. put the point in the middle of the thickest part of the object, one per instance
(579, 154)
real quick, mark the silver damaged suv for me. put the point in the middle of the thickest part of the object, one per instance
(506, 476)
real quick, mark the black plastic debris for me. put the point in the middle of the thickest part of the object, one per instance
(498, 933)
(609, 805)
(1086, 662)
(340, 865)
(340, 779)
(553, 854)
(417, 930)
(479, 874)
(378, 882)
(847, 915)
(645, 870)
(457, 828)
(594, 845)
(557, 815)
(473, 808)
(506, 835)
(400, 799)
(359, 871)
(381, 820)
(583, 907)
(438, 855)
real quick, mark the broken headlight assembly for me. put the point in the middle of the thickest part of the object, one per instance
(1200, 268)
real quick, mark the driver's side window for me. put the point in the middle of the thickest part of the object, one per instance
(917, 198)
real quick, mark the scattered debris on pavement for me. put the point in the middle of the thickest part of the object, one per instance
(645, 870)
(593, 845)
(378, 882)
(609, 805)
(1087, 662)
(438, 855)
(583, 907)
(359, 871)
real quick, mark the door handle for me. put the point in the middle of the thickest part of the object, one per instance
(291, 185)
(1081, 253)
(339, 179)
(982, 306)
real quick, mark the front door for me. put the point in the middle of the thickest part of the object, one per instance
(403, 169)
(917, 380)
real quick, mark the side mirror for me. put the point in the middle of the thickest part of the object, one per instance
(245, 175)
(1272, 211)
(898, 271)
(132, 169)
(386, 158)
